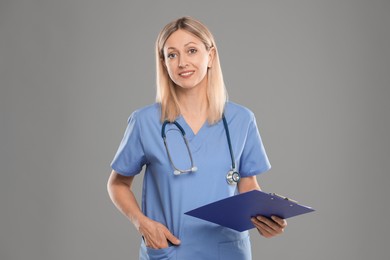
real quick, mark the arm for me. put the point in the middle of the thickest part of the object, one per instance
(247, 184)
(266, 227)
(155, 234)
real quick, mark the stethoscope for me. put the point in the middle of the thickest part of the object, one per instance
(232, 177)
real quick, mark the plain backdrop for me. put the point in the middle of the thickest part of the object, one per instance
(315, 73)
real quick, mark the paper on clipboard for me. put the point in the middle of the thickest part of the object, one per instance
(235, 212)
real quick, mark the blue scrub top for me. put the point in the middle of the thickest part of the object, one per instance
(165, 196)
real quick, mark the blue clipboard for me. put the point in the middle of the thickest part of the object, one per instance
(235, 212)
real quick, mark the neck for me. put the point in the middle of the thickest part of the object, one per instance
(193, 107)
(193, 102)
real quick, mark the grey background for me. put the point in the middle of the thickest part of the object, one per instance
(316, 74)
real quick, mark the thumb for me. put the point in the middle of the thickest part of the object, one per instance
(174, 240)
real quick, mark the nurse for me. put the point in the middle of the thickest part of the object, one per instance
(190, 168)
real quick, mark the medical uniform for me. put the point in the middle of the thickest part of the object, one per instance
(165, 196)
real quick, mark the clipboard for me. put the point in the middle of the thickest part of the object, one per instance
(235, 212)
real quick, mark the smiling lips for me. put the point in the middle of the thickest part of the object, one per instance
(186, 74)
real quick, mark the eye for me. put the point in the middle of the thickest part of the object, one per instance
(192, 51)
(171, 55)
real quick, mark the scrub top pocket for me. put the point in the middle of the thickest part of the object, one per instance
(168, 253)
(235, 250)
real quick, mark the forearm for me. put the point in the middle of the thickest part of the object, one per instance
(154, 233)
(248, 184)
(123, 198)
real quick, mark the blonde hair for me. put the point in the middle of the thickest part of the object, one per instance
(166, 94)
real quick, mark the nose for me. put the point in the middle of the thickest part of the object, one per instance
(182, 62)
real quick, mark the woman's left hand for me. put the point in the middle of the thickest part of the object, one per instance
(269, 227)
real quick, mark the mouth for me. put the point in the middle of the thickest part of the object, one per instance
(186, 73)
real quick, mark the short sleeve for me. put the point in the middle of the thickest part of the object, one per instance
(254, 159)
(130, 157)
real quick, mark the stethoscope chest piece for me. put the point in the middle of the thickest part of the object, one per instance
(232, 177)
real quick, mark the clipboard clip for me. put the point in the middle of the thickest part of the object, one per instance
(283, 197)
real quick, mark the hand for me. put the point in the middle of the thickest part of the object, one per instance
(156, 235)
(269, 227)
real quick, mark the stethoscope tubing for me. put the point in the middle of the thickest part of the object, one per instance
(229, 142)
(177, 171)
(232, 177)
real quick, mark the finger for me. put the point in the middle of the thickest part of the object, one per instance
(265, 233)
(276, 228)
(263, 229)
(155, 237)
(266, 229)
(156, 244)
(156, 241)
(280, 221)
(169, 236)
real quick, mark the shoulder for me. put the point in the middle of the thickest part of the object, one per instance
(235, 110)
(146, 113)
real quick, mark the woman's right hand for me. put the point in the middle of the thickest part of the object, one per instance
(155, 234)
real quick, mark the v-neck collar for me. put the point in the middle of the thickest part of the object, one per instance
(195, 140)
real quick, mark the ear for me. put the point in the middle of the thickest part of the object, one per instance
(211, 57)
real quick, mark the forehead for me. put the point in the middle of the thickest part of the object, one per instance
(181, 38)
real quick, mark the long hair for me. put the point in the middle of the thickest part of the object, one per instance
(166, 89)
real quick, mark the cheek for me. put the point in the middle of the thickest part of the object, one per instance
(203, 66)
(170, 70)
(205, 61)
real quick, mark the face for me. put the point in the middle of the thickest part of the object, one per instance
(187, 59)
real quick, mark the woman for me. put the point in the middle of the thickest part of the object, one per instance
(191, 107)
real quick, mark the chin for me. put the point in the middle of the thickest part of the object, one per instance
(186, 86)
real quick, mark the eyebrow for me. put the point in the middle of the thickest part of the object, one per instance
(185, 45)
